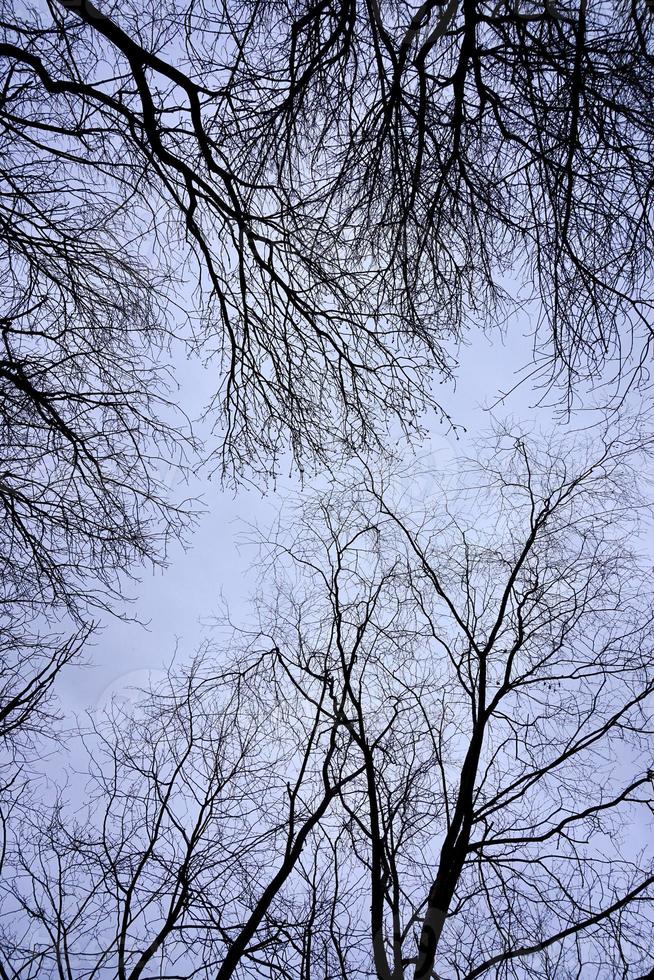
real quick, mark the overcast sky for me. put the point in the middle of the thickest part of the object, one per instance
(177, 602)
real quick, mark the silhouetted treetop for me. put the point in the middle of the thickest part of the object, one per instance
(425, 755)
(355, 184)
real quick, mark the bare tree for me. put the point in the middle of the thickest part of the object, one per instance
(429, 757)
(543, 628)
(463, 139)
(352, 183)
(493, 823)
(306, 359)
(88, 444)
(199, 814)
(29, 667)
(90, 440)
(85, 426)
(346, 185)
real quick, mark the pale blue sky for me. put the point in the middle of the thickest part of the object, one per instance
(177, 600)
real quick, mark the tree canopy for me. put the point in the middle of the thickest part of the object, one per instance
(420, 762)
(353, 185)
(426, 756)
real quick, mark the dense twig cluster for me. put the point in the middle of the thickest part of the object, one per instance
(452, 142)
(352, 184)
(421, 763)
(410, 769)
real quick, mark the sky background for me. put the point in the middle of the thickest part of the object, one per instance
(177, 603)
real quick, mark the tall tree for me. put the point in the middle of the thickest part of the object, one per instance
(307, 359)
(462, 144)
(89, 438)
(427, 758)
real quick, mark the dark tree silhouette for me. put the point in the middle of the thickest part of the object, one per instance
(428, 759)
(88, 440)
(306, 356)
(29, 722)
(89, 437)
(355, 183)
(29, 667)
(347, 185)
(85, 426)
(458, 141)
